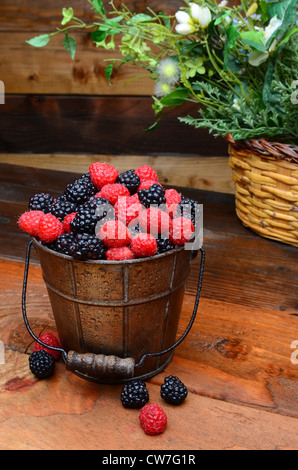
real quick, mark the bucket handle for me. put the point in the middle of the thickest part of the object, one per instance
(92, 366)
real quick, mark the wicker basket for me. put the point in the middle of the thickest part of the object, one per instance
(266, 178)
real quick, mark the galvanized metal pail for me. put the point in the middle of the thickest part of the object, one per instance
(116, 321)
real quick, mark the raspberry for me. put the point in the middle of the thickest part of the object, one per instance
(67, 221)
(129, 179)
(115, 234)
(173, 198)
(112, 192)
(173, 391)
(144, 245)
(102, 174)
(154, 221)
(181, 230)
(126, 209)
(49, 228)
(146, 172)
(134, 395)
(153, 419)
(42, 364)
(51, 340)
(146, 184)
(29, 222)
(120, 254)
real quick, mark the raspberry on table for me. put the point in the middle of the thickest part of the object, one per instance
(153, 419)
(144, 245)
(173, 391)
(134, 394)
(41, 202)
(120, 254)
(102, 174)
(115, 234)
(51, 340)
(29, 222)
(181, 230)
(146, 172)
(49, 228)
(80, 190)
(154, 221)
(129, 179)
(113, 192)
(42, 364)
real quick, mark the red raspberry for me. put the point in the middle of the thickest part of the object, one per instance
(66, 222)
(113, 191)
(153, 419)
(155, 221)
(146, 184)
(173, 199)
(49, 228)
(29, 222)
(120, 254)
(51, 340)
(126, 209)
(115, 234)
(102, 174)
(144, 245)
(146, 172)
(181, 230)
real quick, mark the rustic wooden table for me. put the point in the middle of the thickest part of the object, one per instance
(237, 361)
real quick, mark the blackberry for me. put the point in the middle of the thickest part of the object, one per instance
(63, 243)
(189, 208)
(87, 247)
(134, 395)
(173, 391)
(62, 207)
(155, 195)
(42, 364)
(164, 245)
(89, 215)
(41, 202)
(81, 190)
(129, 179)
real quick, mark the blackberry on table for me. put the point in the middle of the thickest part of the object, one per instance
(155, 195)
(89, 215)
(62, 207)
(87, 247)
(164, 245)
(80, 190)
(130, 180)
(41, 202)
(134, 395)
(42, 364)
(173, 391)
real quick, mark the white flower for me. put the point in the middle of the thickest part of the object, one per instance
(236, 105)
(201, 15)
(185, 24)
(168, 71)
(222, 4)
(162, 89)
(274, 24)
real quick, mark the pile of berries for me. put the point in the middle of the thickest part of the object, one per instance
(104, 215)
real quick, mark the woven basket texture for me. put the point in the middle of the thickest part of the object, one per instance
(266, 179)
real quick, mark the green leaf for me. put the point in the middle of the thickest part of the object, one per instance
(289, 35)
(67, 15)
(98, 7)
(111, 27)
(254, 39)
(108, 72)
(70, 45)
(222, 17)
(175, 98)
(141, 18)
(98, 36)
(232, 36)
(40, 41)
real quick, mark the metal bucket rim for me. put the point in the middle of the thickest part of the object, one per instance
(109, 262)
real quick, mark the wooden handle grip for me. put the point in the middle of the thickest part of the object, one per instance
(100, 366)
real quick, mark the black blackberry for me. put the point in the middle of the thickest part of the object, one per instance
(164, 245)
(173, 391)
(90, 214)
(129, 179)
(63, 244)
(155, 195)
(41, 202)
(134, 394)
(189, 208)
(80, 190)
(87, 247)
(62, 207)
(42, 364)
